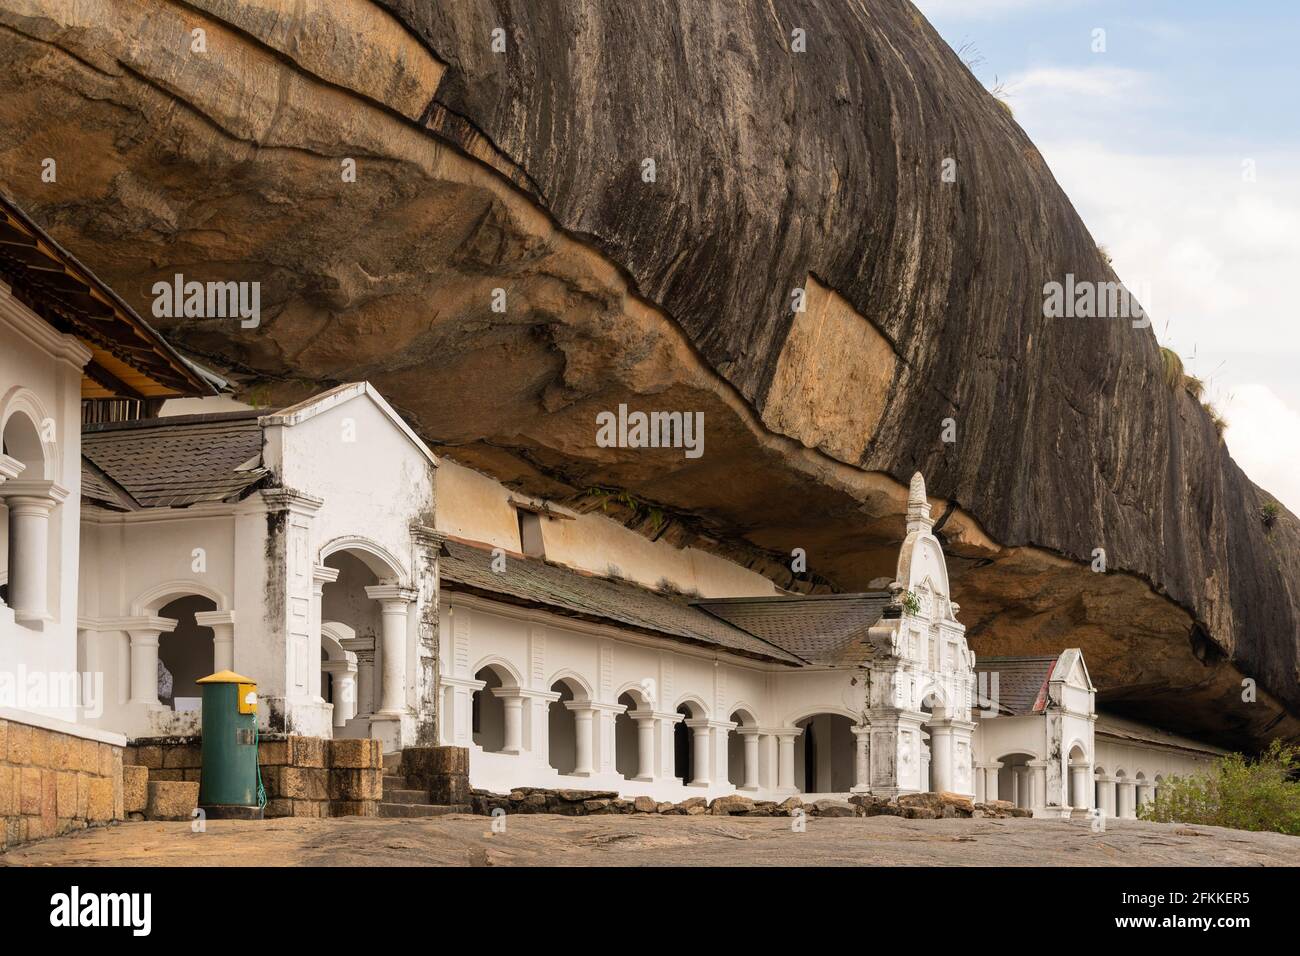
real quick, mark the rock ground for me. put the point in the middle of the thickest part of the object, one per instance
(638, 840)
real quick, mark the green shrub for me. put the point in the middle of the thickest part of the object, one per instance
(1245, 794)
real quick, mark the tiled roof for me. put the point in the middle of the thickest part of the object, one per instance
(821, 629)
(1021, 682)
(537, 583)
(99, 489)
(171, 462)
(128, 358)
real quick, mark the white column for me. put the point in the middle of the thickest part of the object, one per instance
(721, 730)
(538, 731)
(750, 735)
(30, 502)
(785, 759)
(990, 773)
(363, 649)
(604, 745)
(1020, 776)
(394, 602)
(665, 747)
(583, 713)
(1081, 784)
(700, 736)
(321, 575)
(862, 758)
(1037, 784)
(645, 743)
(1124, 799)
(941, 755)
(513, 704)
(223, 637)
(9, 468)
(1106, 788)
(768, 760)
(344, 674)
(1145, 792)
(457, 724)
(144, 657)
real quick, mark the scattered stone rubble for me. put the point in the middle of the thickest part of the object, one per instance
(579, 803)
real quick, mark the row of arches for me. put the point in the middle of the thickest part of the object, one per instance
(184, 630)
(824, 746)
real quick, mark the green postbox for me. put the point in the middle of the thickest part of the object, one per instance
(230, 786)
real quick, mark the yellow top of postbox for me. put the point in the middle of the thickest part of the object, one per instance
(226, 677)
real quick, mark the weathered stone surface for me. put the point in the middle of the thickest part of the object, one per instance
(825, 165)
(135, 788)
(835, 808)
(168, 800)
(734, 804)
(645, 804)
(642, 840)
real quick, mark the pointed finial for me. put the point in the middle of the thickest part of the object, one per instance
(918, 506)
(916, 490)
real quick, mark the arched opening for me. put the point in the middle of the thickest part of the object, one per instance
(564, 751)
(824, 754)
(185, 654)
(488, 720)
(742, 751)
(25, 558)
(1015, 780)
(358, 620)
(629, 760)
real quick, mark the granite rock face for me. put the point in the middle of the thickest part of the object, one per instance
(525, 171)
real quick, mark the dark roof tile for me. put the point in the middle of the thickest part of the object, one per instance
(172, 462)
(534, 582)
(821, 629)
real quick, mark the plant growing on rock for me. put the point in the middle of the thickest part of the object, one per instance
(1216, 419)
(1246, 794)
(1268, 513)
(1173, 367)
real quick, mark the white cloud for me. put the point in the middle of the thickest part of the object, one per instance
(1220, 257)
(1107, 82)
(1263, 435)
(977, 9)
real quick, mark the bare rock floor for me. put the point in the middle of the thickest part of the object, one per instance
(463, 840)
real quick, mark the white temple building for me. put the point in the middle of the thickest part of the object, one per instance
(374, 590)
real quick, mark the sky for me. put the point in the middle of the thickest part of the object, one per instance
(1178, 141)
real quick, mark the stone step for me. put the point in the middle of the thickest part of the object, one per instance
(398, 795)
(418, 810)
(392, 762)
(394, 782)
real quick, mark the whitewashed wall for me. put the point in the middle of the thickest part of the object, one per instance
(40, 378)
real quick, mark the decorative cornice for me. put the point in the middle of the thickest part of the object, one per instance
(287, 499)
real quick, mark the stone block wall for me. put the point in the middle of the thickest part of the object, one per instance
(441, 771)
(303, 776)
(53, 782)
